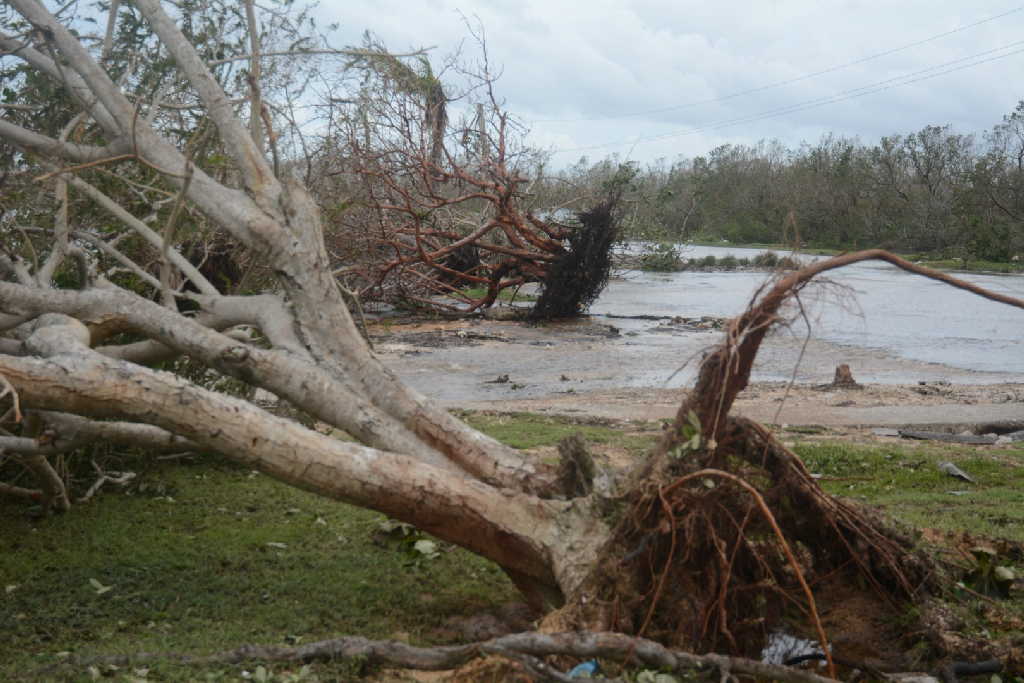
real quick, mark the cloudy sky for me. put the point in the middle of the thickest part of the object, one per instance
(650, 79)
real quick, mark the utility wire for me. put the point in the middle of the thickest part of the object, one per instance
(870, 89)
(779, 84)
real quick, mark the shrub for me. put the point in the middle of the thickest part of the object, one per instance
(662, 257)
(728, 261)
(709, 261)
(767, 259)
(788, 263)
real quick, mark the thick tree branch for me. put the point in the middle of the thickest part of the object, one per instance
(582, 644)
(73, 431)
(257, 175)
(94, 80)
(76, 86)
(35, 142)
(329, 398)
(514, 530)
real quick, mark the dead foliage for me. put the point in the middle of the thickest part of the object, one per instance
(576, 279)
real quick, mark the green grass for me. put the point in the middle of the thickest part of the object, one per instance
(191, 570)
(188, 560)
(510, 294)
(193, 563)
(974, 265)
(530, 430)
(904, 480)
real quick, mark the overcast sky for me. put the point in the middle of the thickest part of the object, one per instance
(651, 79)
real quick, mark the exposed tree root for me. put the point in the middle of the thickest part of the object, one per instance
(725, 529)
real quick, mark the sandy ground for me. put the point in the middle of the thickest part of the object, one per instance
(593, 368)
(963, 406)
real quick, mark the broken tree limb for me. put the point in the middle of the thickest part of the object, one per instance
(947, 437)
(582, 644)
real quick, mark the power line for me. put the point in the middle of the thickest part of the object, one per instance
(779, 84)
(870, 89)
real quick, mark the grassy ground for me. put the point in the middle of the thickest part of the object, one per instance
(973, 265)
(205, 555)
(511, 294)
(209, 556)
(904, 479)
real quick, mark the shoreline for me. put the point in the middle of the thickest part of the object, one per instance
(952, 265)
(955, 407)
(591, 369)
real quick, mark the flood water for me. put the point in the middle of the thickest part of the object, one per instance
(891, 327)
(870, 305)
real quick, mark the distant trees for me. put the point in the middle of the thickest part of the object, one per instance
(934, 191)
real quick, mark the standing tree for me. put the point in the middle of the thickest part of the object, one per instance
(667, 555)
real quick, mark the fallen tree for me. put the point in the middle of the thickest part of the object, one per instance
(707, 546)
(435, 212)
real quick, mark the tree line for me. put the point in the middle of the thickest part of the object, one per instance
(934, 191)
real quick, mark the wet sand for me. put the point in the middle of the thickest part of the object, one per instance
(627, 369)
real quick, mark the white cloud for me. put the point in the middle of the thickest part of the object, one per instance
(566, 63)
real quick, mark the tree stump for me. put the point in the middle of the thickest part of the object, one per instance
(844, 378)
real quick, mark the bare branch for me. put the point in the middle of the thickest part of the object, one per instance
(581, 644)
(147, 233)
(41, 144)
(20, 492)
(54, 492)
(255, 96)
(238, 143)
(348, 52)
(118, 478)
(9, 390)
(60, 226)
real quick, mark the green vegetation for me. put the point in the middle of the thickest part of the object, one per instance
(899, 192)
(972, 265)
(663, 257)
(503, 295)
(666, 257)
(204, 555)
(530, 430)
(904, 480)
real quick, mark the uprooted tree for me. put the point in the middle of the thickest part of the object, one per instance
(427, 211)
(705, 546)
